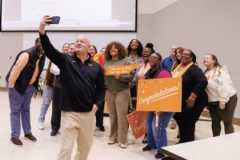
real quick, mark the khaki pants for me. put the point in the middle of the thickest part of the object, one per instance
(118, 103)
(79, 128)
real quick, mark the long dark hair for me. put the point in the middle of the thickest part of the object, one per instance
(37, 40)
(95, 48)
(139, 49)
(49, 78)
(194, 58)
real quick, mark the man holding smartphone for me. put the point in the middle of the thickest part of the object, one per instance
(83, 91)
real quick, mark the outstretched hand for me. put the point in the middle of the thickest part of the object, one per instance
(44, 22)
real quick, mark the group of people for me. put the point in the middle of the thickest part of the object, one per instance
(79, 89)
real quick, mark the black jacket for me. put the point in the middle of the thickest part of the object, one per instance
(27, 72)
(194, 81)
(82, 83)
(153, 72)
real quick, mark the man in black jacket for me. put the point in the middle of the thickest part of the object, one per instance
(22, 80)
(82, 92)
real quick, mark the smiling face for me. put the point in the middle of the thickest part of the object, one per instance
(92, 51)
(208, 61)
(178, 54)
(114, 51)
(71, 49)
(134, 44)
(172, 51)
(82, 45)
(146, 54)
(65, 48)
(186, 57)
(155, 59)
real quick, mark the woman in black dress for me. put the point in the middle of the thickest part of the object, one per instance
(194, 97)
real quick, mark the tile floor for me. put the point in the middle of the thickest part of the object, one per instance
(46, 148)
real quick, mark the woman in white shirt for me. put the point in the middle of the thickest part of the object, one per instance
(222, 96)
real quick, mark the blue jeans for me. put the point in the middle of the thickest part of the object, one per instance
(47, 98)
(157, 136)
(20, 107)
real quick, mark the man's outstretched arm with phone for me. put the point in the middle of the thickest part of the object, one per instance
(51, 52)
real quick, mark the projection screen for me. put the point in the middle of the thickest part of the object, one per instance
(76, 15)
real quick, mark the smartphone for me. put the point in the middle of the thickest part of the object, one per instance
(55, 20)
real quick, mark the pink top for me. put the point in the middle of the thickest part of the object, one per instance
(164, 74)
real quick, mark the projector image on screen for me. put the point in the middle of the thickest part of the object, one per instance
(76, 15)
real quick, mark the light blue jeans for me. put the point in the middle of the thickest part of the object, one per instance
(47, 98)
(157, 136)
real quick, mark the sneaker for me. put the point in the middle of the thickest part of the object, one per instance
(147, 148)
(16, 141)
(123, 146)
(159, 155)
(31, 137)
(110, 142)
(41, 125)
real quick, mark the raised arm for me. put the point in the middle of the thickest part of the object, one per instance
(50, 51)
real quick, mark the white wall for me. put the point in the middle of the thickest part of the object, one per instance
(12, 43)
(9, 44)
(202, 25)
(99, 39)
(153, 6)
(205, 26)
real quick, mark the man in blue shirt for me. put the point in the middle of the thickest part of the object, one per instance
(169, 61)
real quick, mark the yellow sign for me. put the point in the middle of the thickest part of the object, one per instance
(160, 95)
(120, 69)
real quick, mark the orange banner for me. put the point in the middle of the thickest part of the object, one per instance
(137, 122)
(120, 69)
(160, 95)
